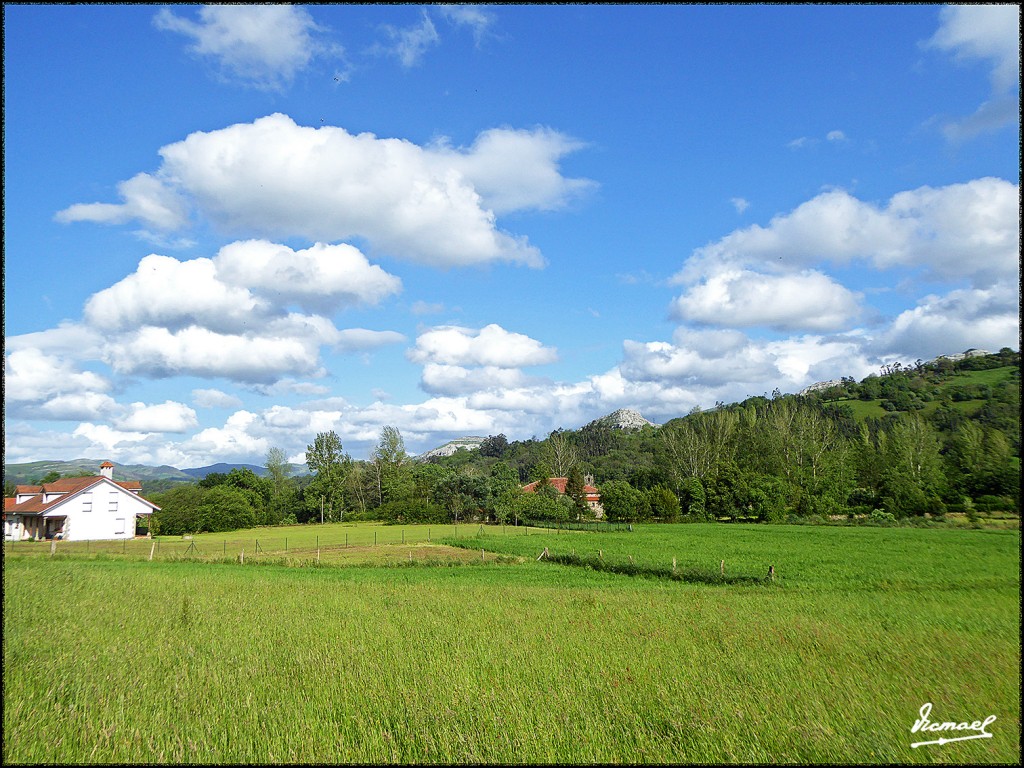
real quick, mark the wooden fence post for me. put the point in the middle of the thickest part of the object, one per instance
(53, 547)
(241, 557)
(151, 550)
(723, 567)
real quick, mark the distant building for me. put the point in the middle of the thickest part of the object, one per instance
(76, 509)
(591, 494)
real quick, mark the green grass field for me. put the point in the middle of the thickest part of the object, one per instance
(113, 658)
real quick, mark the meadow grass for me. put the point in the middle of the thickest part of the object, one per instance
(339, 543)
(118, 659)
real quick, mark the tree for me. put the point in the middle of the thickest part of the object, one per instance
(326, 458)
(574, 489)
(663, 503)
(390, 466)
(504, 491)
(179, 510)
(561, 454)
(282, 496)
(912, 480)
(494, 445)
(226, 508)
(10, 489)
(622, 502)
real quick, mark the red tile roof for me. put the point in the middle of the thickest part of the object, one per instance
(66, 487)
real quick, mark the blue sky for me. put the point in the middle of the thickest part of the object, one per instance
(230, 228)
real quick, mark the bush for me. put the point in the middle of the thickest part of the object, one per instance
(411, 511)
(881, 518)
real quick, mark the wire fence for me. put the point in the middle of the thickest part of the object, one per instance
(300, 543)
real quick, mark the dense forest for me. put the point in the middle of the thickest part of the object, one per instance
(912, 441)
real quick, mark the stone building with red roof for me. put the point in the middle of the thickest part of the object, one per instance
(591, 494)
(77, 509)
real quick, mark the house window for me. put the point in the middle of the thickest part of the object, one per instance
(87, 502)
(119, 525)
(113, 506)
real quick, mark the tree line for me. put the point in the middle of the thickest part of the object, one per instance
(947, 442)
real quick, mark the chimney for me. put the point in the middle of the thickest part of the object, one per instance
(107, 470)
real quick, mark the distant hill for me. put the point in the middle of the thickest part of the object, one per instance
(33, 471)
(198, 473)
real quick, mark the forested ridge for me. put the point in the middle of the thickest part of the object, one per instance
(916, 441)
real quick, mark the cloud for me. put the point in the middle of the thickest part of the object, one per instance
(515, 170)
(264, 46)
(988, 118)
(222, 317)
(987, 32)
(425, 308)
(727, 365)
(147, 199)
(802, 142)
(168, 416)
(214, 398)
(963, 319)
(77, 406)
(990, 33)
(440, 379)
(808, 300)
(30, 375)
(410, 44)
(273, 178)
(961, 231)
(173, 294)
(361, 339)
(233, 440)
(489, 346)
(474, 16)
(112, 441)
(739, 204)
(320, 278)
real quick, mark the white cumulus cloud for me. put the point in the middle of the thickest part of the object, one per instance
(489, 346)
(968, 230)
(168, 416)
(807, 300)
(320, 278)
(273, 177)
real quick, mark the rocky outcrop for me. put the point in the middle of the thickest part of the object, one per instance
(624, 418)
(449, 448)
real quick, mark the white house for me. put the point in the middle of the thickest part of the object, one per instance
(76, 509)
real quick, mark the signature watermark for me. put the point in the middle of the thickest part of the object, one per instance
(924, 725)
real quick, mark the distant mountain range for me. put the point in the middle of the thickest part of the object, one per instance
(33, 471)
